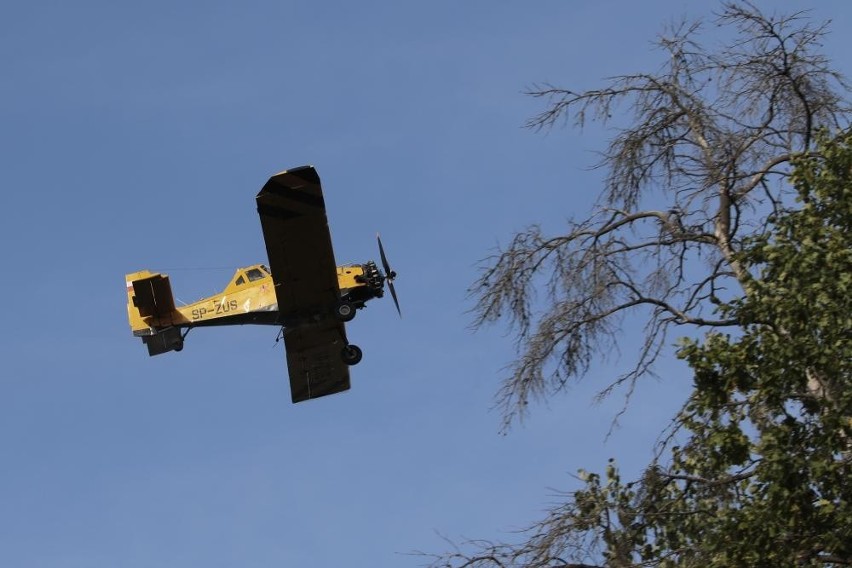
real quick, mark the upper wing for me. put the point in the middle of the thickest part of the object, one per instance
(298, 243)
(314, 360)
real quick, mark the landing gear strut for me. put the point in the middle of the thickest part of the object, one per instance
(179, 343)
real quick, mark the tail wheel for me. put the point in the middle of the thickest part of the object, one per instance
(351, 354)
(344, 311)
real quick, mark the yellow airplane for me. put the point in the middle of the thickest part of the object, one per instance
(302, 291)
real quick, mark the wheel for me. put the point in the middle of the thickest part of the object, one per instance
(179, 346)
(351, 354)
(344, 311)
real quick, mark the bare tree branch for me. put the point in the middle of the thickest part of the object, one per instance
(703, 133)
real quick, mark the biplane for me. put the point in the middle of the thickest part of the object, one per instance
(301, 290)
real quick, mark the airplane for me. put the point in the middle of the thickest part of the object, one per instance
(301, 290)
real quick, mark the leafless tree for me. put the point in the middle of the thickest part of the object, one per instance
(699, 168)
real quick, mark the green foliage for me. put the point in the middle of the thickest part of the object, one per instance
(763, 472)
(764, 476)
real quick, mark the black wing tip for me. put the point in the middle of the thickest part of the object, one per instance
(307, 174)
(294, 178)
(303, 395)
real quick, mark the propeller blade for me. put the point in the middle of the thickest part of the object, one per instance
(390, 275)
(393, 295)
(385, 265)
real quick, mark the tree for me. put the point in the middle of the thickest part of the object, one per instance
(754, 470)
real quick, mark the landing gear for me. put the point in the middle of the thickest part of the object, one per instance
(344, 311)
(351, 354)
(179, 343)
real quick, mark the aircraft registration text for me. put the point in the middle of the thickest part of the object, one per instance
(218, 308)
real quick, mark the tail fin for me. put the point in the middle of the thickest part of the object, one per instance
(151, 311)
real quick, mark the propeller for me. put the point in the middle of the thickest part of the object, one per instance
(390, 275)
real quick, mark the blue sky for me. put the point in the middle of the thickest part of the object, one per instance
(137, 135)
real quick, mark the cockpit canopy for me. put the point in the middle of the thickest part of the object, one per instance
(250, 274)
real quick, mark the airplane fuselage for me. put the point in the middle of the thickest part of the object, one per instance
(249, 298)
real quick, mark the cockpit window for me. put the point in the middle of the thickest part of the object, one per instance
(241, 281)
(255, 274)
(265, 268)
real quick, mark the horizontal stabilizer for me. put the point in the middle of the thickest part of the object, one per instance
(151, 312)
(152, 296)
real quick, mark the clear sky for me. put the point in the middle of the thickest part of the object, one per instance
(136, 135)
